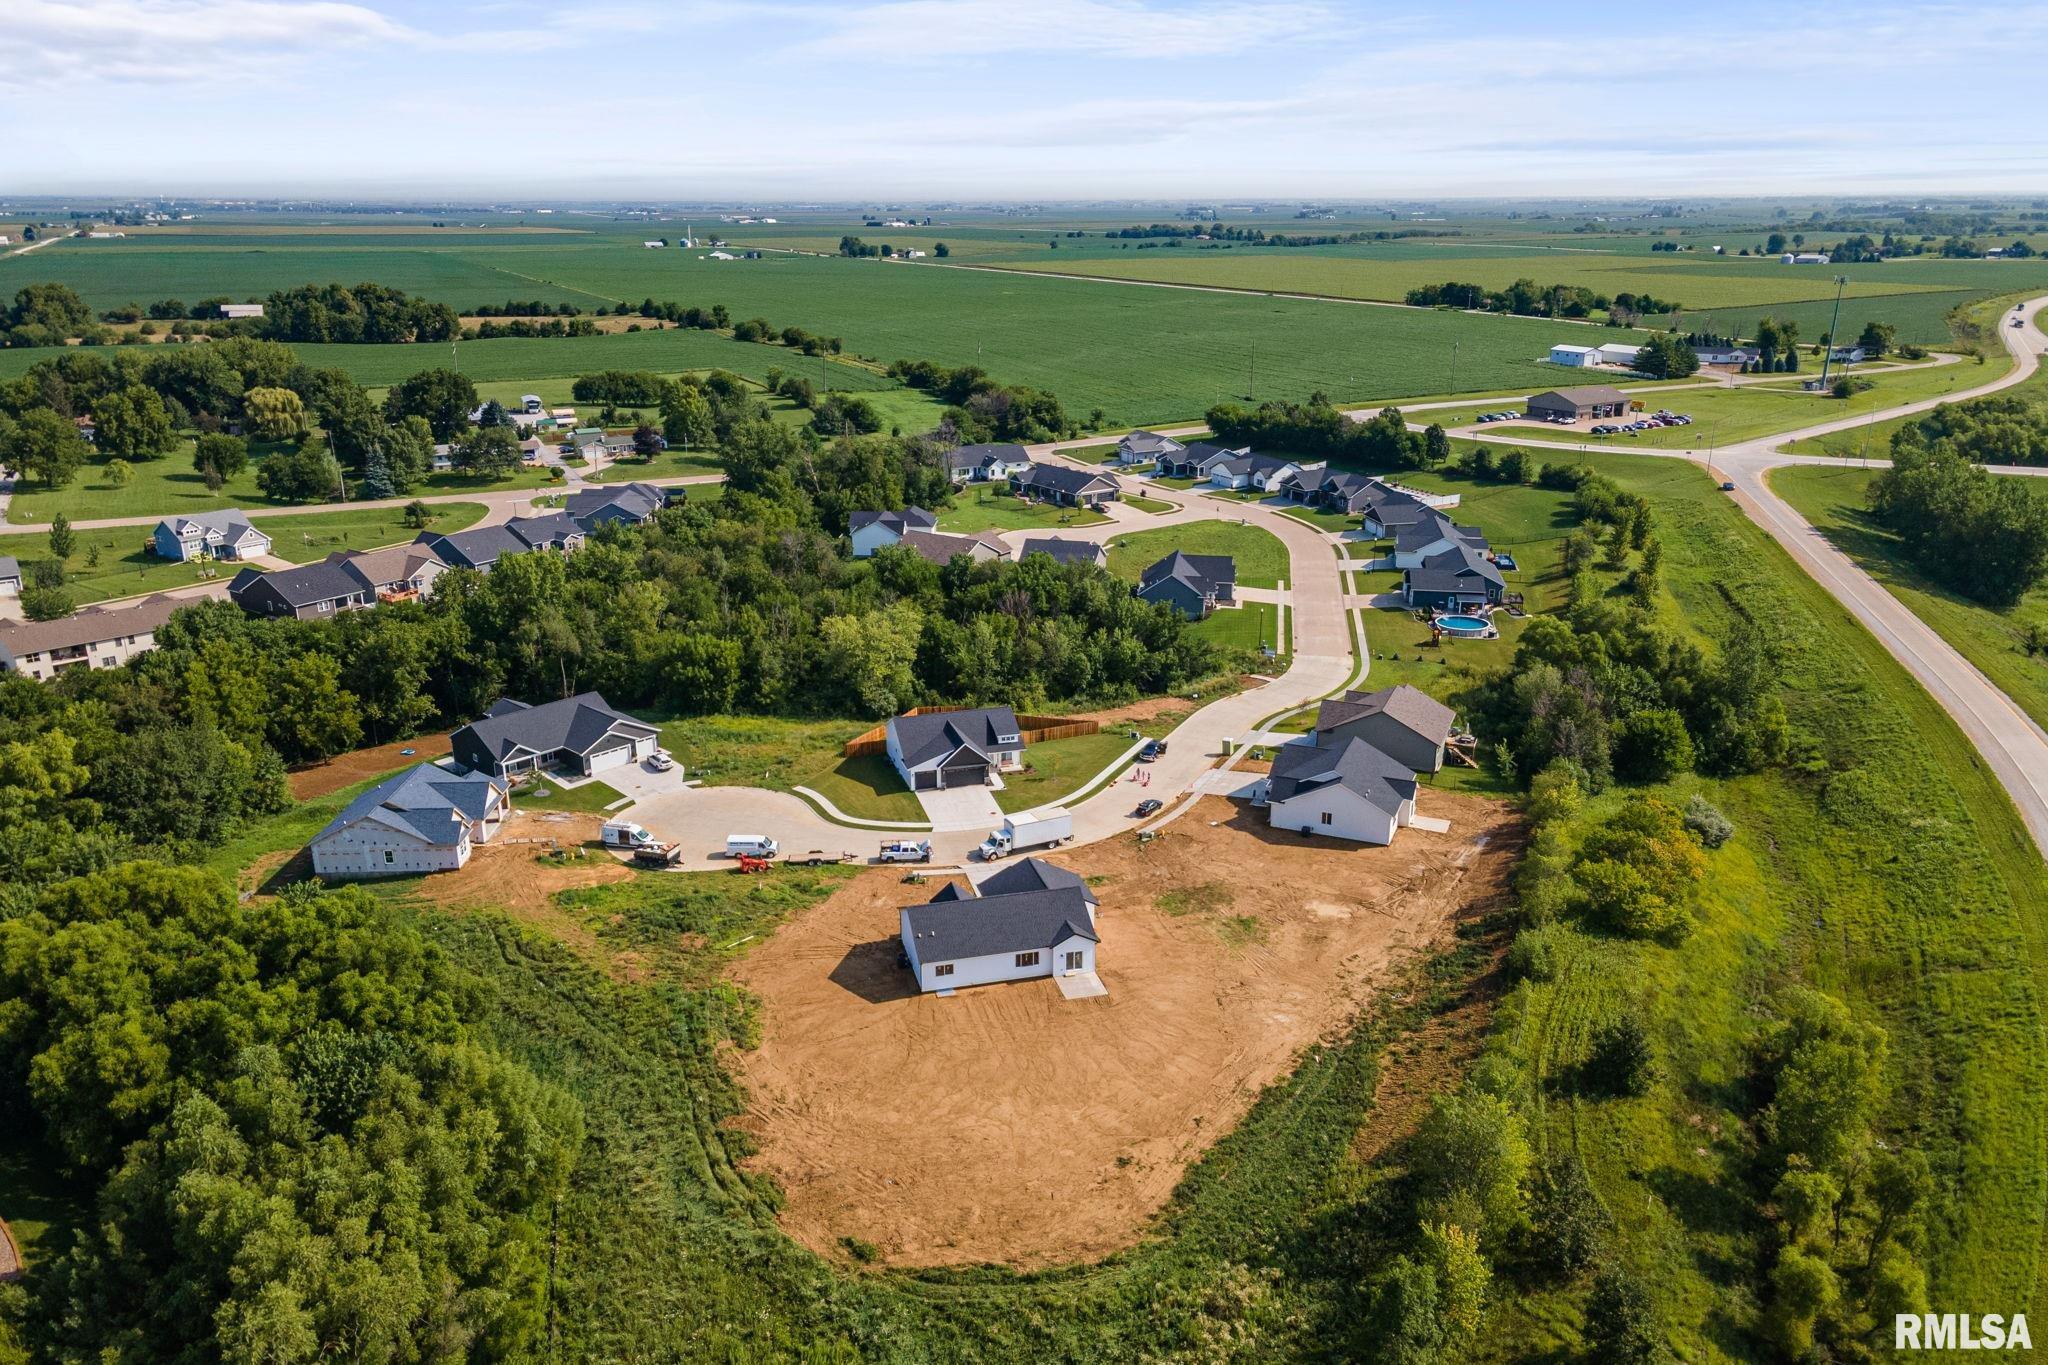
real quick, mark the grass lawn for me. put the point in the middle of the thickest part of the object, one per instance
(1261, 558)
(1321, 519)
(1059, 768)
(667, 465)
(1874, 439)
(767, 751)
(986, 510)
(1248, 628)
(127, 567)
(1832, 498)
(1093, 454)
(547, 794)
(1153, 505)
(1182, 484)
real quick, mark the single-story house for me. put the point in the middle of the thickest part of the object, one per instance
(1026, 921)
(395, 573)
(225, 534)
(1195, 461)
(1577, 356)
(1718, 353)
(622, 445)
(1263, 472)
(1065, 551)
(425, 819)
(939, 548)
(581, 734)
(1460, 577)
(1145, 447)
(1615, 353)
(1349, 790)
(935, 750)
(309, 592)
(478, 548)
(995, 461)
(1596, 400)
(548, 531)
(870, 531)
(1195, 585)
(10, 576)
(630, 503)
(1065, 486)
(1848, 355)
(1387, 514)
(1403, 722)
(1415, 544)
(93, 637)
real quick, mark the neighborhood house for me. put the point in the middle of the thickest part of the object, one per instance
(936, 547)
(871, 531)
(1065, 486)
(424, 819)
(1194, 585)
(1146, 447)
(96, 637)
(934, 750)
(225, 534)
(1063, 551)
(582, 735)
(1347, 789)
(1029, 920)
(994, 462)
(1402, 722)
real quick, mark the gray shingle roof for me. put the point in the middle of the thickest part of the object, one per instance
(1017, 922)
(1060, 478)
(635, 501)
(1204, 574)
(231, 522)
(434, 802)
(975, 456)
(1033, 874)
(9, 568)
(323, 581)
(1420, 534)
(1587, 395)
(478, 547)
(1200, 453)
(88, 625)
(909, 519)
(553, 529)
(1413, 708)
(1150, 443)
(1064, 551)
(925, 737)
(1465, 559)
(575, 723)
(1304, 767)
(939, 548)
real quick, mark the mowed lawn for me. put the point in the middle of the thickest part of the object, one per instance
(780, 754)
(1059, 768)
(1832, 498)
(1261, 558)
(981, 507)
(127, 567)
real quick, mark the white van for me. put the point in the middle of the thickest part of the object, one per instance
(753, 845)
(626, 834)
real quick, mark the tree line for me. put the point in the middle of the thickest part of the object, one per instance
(1318, 427)
(1984, 536)
(1526, 298)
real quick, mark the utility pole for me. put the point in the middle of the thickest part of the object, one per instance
(1454, 367)
(1833, 323)
(1251, 383)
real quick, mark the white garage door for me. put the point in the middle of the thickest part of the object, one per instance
(644, 746)
(610, 758)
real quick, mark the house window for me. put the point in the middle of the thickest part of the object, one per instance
(943, 969)
(1027, 959)
(389, 857)
(1074, 962)
(1326, 817)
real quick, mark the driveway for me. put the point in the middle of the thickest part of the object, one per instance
(961, 808)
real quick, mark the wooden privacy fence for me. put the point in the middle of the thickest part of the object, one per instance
(1034, 729)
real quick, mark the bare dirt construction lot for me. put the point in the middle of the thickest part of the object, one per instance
(1007, 1124)
(345, 770)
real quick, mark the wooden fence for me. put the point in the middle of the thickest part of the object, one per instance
(1034, 729)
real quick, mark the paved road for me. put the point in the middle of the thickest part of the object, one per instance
(2012, 744)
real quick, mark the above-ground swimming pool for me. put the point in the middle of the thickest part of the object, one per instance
(1462, 625)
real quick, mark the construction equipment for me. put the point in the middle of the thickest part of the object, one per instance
(749, 863)
(658, 855)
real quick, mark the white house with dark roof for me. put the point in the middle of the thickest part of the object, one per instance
(631, 504)
(581, 735)
(871, 531)
(1195, 460)
(1029, 920)
(1416, 544)
(1145, 447)
(934, 750)
(226, 534)
(1346, 790)
(1403, 722)
(989, 462)
(1193, 585)
(425, 819)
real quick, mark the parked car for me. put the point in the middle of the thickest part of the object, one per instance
(660, 761)
(1149, 806)
(1727, 488)
(1154, 750)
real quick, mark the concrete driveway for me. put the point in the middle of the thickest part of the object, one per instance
(961, 808)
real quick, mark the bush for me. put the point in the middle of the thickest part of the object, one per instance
(1571, 1222)
(1621, 1060)
(1621, 1319)
(1706, 823)
(1535, 953)
(45, 604)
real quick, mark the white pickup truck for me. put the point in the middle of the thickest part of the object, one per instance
(1020, 832)
(905, 851)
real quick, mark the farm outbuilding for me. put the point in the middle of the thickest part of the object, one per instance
(1595, 400)
(1576, 356)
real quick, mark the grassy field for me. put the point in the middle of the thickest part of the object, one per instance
(1874, 439)
(1832, 498)
(591, 797)
(1250, 627)
(667, 465)
(1261, 558)
(126, 566)
(1059, 768)
(981, 508)
(764, 751)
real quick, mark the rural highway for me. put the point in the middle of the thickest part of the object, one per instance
(2013, 745)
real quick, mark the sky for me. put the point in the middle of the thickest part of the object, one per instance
(870, 100)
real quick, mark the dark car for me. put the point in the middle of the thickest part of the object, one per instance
(1149, 806)
(1155, 749)
(1727, 488)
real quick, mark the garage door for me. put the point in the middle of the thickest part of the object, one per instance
(926, 780)
(610, 758)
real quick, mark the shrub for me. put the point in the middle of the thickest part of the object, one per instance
(1706, 823)
(1571, 1222)
(45, 604)
(1621, 1060)
(1535, 954)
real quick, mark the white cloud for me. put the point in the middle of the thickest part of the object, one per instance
(934, 30)
(85, 43)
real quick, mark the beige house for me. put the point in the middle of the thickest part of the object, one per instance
(97, 637)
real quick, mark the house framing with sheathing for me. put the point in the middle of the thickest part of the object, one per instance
(1029, 920)
(935, 750)
(581, 735)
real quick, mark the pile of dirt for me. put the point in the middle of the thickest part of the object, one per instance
(345, 770)
(1008, 1124)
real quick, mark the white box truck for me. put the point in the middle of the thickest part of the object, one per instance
(1020, 832)
(626, 834)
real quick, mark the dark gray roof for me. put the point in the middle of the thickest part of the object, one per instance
(939, 548)
(1150, 443)
(1442, 580)
(1464, 559)
(323, 581)
(1064, 551)
(1200, 453)
(909, 519)
(552, 529)
(477, 548)
(1033, 874)
(1304, 767)
(575, 723)
(949, 930)
(935, 733)
(1413, 708)
(9, 568)
(633, 501)
(432, 801)
(975, 456)
(1204, 574)
(1063, 479)
(1416, 535)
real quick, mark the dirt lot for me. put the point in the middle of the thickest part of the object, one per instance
(345, 770)
(1007, 1124)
